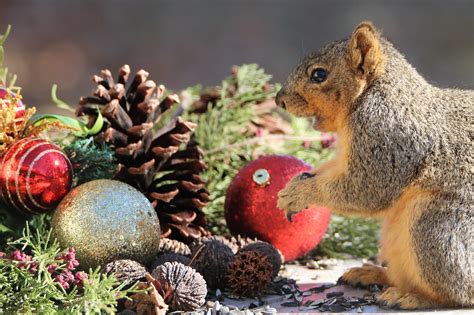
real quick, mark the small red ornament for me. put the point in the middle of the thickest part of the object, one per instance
(5, 99)
(251, 207)
(34, 175)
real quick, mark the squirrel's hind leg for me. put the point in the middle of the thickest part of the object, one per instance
(365, 276)
(443, 238)
(394, 298)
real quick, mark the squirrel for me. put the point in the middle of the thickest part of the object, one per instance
(404, 155)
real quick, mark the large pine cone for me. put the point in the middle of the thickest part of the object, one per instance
(157, 157)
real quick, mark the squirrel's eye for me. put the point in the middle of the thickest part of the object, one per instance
(319, 75)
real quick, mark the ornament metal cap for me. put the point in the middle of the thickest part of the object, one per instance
(261, 177)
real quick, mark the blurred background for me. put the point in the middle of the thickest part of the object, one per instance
(182, 43)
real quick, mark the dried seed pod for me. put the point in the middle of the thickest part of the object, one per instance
(249, 274)
(274, 255)
(212, 259)
(165, 257)
(185, 289)
(125, 269)
(174, 246)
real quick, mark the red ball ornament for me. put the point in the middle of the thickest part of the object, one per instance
(34, 175)
(251, 207)
(6, 98)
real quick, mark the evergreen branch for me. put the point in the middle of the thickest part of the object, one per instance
(90, 160)
(263, 141)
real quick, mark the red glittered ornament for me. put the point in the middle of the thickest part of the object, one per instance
(251, 207)
(34, 175)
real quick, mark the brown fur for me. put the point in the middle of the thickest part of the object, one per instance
(404, 155)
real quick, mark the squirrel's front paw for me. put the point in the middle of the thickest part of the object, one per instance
(286, 201)
(295, 196)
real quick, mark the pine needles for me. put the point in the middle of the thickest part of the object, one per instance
(90, 160)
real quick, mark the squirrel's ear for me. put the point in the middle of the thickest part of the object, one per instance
(365, 51)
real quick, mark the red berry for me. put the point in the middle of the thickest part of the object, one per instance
(52, 268)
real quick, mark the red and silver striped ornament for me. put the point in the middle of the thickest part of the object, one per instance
(34, 175)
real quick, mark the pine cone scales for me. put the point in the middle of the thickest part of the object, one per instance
(162, 162)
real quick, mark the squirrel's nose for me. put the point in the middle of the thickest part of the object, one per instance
(280, 99)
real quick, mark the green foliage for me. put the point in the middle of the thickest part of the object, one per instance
(222, 125)
(10, 224)
(90, 160)
(26, 292)
(99, 296)
(60, 103)
(22, 290)
(78, 127)
(357, 237)
(6, 79)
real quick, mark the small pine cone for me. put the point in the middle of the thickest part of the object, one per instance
(240, 241)
(165, 257)
(212, 260)
(174, 246)
(185, 289)
(125, 269)
(208, 96)
(155, 156)
(274, 255)
(234, 242)
(249, 274)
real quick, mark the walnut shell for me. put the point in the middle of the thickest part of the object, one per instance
(185, 288)
(125, 269)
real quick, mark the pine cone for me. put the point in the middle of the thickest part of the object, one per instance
(249, 274)
(174, 246)
(157, 157)
(234, 242)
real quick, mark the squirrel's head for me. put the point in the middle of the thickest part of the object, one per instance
(326, 83)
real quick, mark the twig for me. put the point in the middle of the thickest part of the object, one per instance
(267, 139)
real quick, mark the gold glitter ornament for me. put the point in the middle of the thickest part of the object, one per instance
(106, 220)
